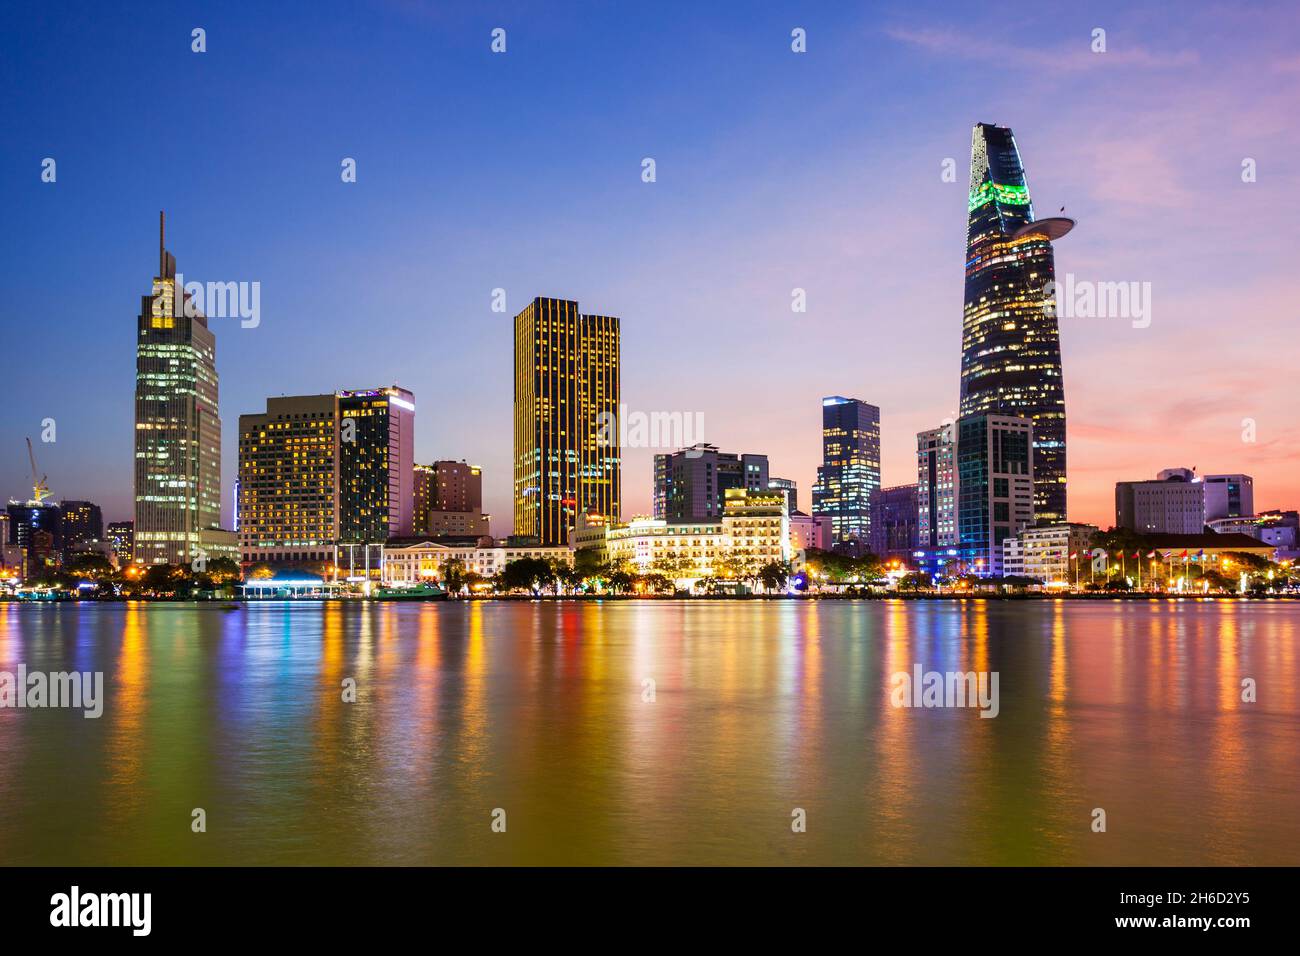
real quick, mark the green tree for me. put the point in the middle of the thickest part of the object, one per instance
(774, 575)
(453, 575)
(223, 571)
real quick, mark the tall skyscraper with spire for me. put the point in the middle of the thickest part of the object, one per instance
(177, 428)
(1011, 348)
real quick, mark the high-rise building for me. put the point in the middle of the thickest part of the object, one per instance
(449, 499)
(850, 470)
(936, 487)
(288, 481)
(691, 484)
(1011, 351)
(566, 396)
(317, 471)
(83, 522)
(121, 535)
(27, 519)
(1172, 504)
(376, 464)
(894, 521)
(995, 486)
(177, 428)
(1229, 496)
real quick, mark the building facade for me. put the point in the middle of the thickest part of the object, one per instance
(177, 427)
(691, 484)
(1172, 504)
(936, 488)
(850, 470)
(449, 499)
(895, 514)
(754, 531)
(419, 561)
(320, 471)
(288, 481)
(568, 451)
(1229, 496)
(1011, 353)
(1044, 552)
(121, 535)
(995, 486)
(83, 522)
(376, 464)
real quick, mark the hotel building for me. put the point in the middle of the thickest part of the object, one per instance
(376, 464)
(420, 560)
(177, 428)
(566, 405)
(850, 470)
(317, 471)
(288, 481)
(754, 531)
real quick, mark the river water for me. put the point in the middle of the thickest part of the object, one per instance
(655, 732)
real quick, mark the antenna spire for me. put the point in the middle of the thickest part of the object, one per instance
(162, 248)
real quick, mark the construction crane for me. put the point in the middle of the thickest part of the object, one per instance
(40, 488)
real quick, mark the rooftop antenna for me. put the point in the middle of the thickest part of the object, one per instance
(162, 249)
(40, 488)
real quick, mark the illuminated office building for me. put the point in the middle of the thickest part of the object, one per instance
(566, 402)
(1011, 351)
(995, 487)
(121, 534)
(850, 470)
(894, 513)
(177, 428)
(83, 522)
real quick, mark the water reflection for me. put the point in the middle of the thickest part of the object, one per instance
(657, 732)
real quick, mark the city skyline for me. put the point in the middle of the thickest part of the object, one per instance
(1125, 423)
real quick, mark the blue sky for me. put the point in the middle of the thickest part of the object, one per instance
(775, 170)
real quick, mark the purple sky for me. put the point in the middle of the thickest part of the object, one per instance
(775, 170)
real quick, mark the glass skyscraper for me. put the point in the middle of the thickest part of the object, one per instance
(1011, 350)
(850, 471)
(566, 386)
(177, 428)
